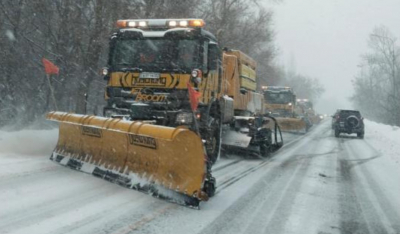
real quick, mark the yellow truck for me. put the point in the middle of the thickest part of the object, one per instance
(249, 131)
(156, 133)
(280, 102)
(306, 111)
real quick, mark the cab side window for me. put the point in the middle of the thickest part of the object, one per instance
(213, 56)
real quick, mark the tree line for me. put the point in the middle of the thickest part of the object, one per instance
(74, 35)
(377, 85)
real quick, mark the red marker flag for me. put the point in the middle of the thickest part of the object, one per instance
(49, 67)
(194, 97)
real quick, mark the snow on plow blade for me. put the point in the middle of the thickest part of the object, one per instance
(292, 125)
(132, 153)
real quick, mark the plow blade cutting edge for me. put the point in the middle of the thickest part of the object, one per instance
(134, 154)
(292, 125)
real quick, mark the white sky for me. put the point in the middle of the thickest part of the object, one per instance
(325, 38)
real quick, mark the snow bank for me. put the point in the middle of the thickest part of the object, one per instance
(28, 142)
(384, 138)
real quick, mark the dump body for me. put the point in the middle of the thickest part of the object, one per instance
(239, 82)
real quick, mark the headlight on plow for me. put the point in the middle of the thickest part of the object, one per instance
(184, 118)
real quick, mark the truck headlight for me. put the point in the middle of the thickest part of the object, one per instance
(197, 75)
(104, 71)
(184, 118)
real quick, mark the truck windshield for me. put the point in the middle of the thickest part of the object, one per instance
(156, 54)
(307, 104)
(278, 97)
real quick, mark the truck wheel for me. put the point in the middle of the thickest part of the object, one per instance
(209, 187)
(337, 133)
(213, 138)
(266, 146)
(265, 150)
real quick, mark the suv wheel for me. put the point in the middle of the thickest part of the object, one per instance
(360, 135)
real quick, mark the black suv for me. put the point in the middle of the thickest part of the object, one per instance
(348, 121)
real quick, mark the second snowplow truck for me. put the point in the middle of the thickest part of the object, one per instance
(170, 89)
(280, 102)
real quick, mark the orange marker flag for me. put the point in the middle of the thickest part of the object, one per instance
(49, 67)
(194, 97)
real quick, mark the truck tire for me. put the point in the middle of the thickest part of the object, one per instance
(265, 146)
(210, 186)
(337, 132)
(265, 150)
(213, 135)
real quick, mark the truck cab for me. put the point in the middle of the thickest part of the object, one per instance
(152, 62)
(279, 101)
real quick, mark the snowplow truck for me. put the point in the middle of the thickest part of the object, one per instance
(280, 102)
(304, 109)
(168, 96)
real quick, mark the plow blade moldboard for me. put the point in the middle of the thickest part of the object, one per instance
(292, 125)
(133, 153)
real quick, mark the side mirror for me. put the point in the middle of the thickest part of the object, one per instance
(105, 73)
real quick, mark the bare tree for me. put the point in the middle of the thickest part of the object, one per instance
(377, 87)
(74, 35)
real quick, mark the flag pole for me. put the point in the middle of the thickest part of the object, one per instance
(196, 125)
(192, 108)
(51, 91)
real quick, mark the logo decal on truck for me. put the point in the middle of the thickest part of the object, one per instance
(141, 140)
(91, 131)
(150, 98)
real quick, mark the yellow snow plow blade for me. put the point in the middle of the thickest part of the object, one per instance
(132, 152)
(292, 125)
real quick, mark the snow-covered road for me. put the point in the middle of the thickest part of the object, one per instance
(315, 184)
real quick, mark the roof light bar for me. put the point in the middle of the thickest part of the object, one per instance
(161, 23)
(131, 24)
(172, 23)
(183, 23)
(142, 24)
(197, 23)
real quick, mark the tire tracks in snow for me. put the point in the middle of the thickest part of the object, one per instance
(268, 201)
(357, 211)
(360, 213)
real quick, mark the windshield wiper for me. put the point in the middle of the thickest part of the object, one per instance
(175, 68)
(131, 69)
(125, 69)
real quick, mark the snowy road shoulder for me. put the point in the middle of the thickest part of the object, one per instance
(385, 139)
